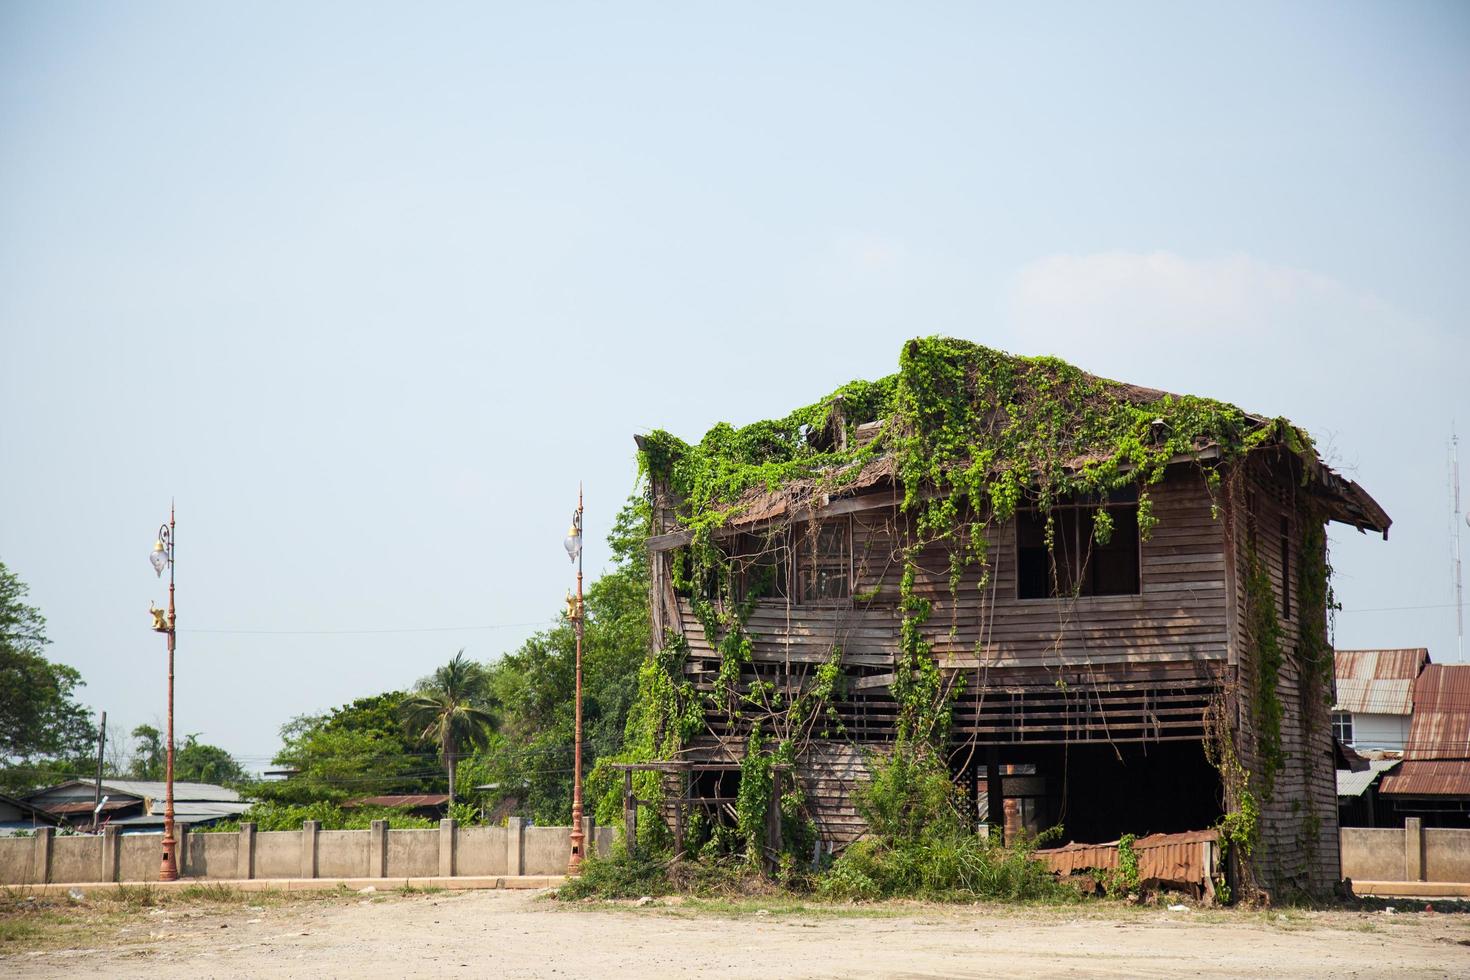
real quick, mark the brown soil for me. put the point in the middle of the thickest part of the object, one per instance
(520, 934)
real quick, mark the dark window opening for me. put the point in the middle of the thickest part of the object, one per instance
(758, 564)
(1077, 563)
(824, 561)
(1285, 567)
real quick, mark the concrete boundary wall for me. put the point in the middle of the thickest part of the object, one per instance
(1408, 853)
(309, 853)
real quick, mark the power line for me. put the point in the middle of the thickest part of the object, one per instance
(347, 632)
(1441, 605)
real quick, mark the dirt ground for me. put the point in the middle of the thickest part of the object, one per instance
(522, 934)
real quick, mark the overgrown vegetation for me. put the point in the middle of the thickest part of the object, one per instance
(972, 434)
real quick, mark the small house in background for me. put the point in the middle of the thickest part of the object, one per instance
(18, 816)
(1375, 697)
(137, 805)
(430, 806)
(1433, 782)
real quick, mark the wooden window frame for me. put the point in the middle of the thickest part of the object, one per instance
(1089, 507)
(799, 535)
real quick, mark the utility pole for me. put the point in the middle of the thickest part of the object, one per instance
(1455, 544)
(576, 613)
(97, 797)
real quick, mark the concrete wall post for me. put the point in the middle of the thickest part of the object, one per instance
(245, 855)
(447, 837)
(589, 835)
(181, 833)
(111, 854)
(1413, 849)
(43, 855)
(309, 830)
(514, 832)
(378, 849)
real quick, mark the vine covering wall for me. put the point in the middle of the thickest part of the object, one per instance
(970, 434)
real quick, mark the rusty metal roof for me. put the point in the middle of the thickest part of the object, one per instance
(1440, 725)
(402, 800)
(1378, 681)
(1444, 777)
(87, 806)
(1169, 857)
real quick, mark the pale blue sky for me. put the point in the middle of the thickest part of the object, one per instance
(368, 289)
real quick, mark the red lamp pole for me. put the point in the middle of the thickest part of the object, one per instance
(163, 553)
(578, 837)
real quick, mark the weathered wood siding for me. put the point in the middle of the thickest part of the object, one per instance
(1299, 832)
(1177, 619)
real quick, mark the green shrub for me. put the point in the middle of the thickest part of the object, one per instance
(619, 876)
(920, 844)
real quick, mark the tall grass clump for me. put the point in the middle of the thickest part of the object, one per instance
(920, 845)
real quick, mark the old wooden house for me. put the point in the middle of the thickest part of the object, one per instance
(1138, 681)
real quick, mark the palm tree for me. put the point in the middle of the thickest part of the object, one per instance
(448, 709)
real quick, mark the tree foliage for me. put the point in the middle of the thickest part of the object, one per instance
(194, 761)
(450, 709)
(357, 749)
(43, 729)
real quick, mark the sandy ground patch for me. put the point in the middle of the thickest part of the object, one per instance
(518, 934)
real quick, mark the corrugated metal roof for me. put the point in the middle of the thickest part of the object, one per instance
(404, 800)
(87, 806)
(205, 808)
(1440, 726)
(1378, 681)
(143, 788)
(1169, 857)
(1351, 783)
(1449, 777)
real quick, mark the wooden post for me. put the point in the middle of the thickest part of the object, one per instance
(995, 808)
(630, 814)
(683, 781)
(773, 821)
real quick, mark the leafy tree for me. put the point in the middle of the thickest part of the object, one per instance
(450, 709)
(194, 761)
(148, 754)
(358, 749)
(198, 762)
(42, 727)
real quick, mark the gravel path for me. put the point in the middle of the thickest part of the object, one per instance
(516, 934)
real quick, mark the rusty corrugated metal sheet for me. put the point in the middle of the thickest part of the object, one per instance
(1169, 857)
(1440, 726)
(402, 800)
(1446, 777)
(1378, 681)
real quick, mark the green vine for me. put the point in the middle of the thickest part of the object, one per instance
(1264, 631)
(971, 435)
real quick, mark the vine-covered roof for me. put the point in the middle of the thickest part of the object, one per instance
(962, 424)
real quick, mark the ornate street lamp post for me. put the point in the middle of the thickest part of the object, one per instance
(575, 612)
(163, 557)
